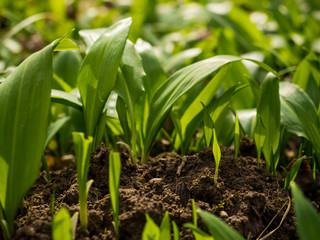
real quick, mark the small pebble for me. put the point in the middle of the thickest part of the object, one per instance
(223, 214)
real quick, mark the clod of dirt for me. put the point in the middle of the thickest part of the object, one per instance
(245, 196)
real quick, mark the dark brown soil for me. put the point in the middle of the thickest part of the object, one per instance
(246, 197)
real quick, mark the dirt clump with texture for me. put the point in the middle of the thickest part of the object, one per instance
(245, 196)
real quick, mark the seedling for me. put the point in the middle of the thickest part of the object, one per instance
(114, 183)
(236, 139)
(61, 225)
(152, 231)
(82, 147)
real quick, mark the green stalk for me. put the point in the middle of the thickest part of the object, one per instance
(83, 149)
(6, 232)
(133, 132)
(145, 155)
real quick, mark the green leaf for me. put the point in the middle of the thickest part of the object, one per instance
(165, 231)
(216, 153)
(218, 229)
(65, 98)
(61, 225)
(155, 74)
(197, 232)
(247, 119)
(208, 125)
(175, 62)
(308, 220)
(95, 81)
(176, 233)
(290, 92)
(82, 148)
(89, 36)
(24, 111)
(178, 84)
(122, 113)
(259, 136)
(130, 87)
(66, 66)
(307, 76)
(74, 222)
(66, 44)
(195, 108)
(151, 231)
(309, 126)
(114, 183)
(54, 128)
(236, 138)
(292, 173)
(269, 111)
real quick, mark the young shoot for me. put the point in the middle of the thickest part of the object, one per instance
(236, 139)
(114, 182)
(82, 147)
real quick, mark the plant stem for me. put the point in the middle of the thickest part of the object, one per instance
(133, 133)
(83, 210)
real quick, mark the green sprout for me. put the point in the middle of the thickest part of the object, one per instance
(82, 147)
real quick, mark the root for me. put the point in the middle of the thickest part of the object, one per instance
(284, 216)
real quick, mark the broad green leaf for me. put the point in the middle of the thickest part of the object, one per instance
(308, 220)
(309, 126)
(89, 36)
(165, 230)
(175, 62)
(151, 231)
(236, 138)
(61, 225)
(24, 111)
(95, 81)
(82, 148)
(218, 229)
(246, 119)
(269, 111)
(155, 74)
(54, 128)
(292, 173)
(216, 154)
(178, 84)
(114, 183)
(289, 117)
(66, 65)
(307, 76)
(129, 86)
(65, 98)
(263, 65)
(195, 108)
(66, 44)
(218, 110)
(238, 74)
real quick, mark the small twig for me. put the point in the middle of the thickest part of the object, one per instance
(183, 162)
(284, 216)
